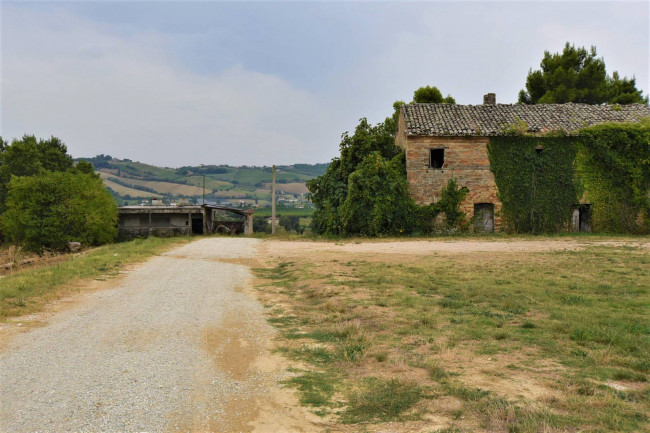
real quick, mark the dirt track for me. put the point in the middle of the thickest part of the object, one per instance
(177, 345)
(424, 247)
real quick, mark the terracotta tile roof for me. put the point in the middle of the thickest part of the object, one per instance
(488, 120)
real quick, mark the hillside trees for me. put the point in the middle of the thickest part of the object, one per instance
(578, 75)
(46, 201)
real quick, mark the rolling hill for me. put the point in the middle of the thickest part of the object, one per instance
(131, 182)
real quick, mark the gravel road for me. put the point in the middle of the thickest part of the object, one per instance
(170, 348)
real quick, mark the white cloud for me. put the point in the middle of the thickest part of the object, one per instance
(103, 93)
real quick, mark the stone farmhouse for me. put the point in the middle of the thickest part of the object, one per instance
(443, 140)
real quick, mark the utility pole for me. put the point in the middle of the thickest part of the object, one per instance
(273, 203)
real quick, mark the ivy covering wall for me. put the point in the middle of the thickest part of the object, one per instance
(536, 182)
(541, 179)
(613, 163)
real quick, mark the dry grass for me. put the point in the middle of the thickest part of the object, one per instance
(496, 341)
(28, 289)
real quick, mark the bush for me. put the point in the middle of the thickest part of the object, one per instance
(47, 210)
(378, 201)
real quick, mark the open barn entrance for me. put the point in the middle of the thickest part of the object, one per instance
(225, 220)
(197, 224)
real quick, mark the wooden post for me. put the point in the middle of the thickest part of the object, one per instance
(189, 223)
(203, 189)
(273, 204)
(248, 225)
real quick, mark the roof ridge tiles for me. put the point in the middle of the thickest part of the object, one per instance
(450, 119)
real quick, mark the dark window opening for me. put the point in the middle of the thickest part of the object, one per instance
(539, 150)
(436, 158)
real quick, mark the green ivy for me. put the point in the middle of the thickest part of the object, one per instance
(614, 165)
(536, 182)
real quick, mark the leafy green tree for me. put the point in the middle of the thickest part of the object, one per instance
(85, 167)
(329, 191)
(378, 202)
(578, 75)
(53, 154)
(51, 208)
(28, 157)
(431, 95)
(365, 190)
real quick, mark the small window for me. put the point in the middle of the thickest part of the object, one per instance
(436, 158)
(539, 150)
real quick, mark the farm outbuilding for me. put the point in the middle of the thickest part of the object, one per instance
(445, 140)
(160, 220)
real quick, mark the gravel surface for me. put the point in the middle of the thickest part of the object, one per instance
(139, 357)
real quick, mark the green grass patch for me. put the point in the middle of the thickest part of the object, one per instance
(316, 388)
(380, 400)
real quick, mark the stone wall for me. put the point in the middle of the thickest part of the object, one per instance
(465, 158)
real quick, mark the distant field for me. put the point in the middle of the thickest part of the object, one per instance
(162, 187)
(124, 190)
(223, 182)
(210, 183)
(293, 188)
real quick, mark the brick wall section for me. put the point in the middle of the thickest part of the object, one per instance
(465, 158)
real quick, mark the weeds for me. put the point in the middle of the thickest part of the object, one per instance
(381, 400)
(27, 291)
(566, 321)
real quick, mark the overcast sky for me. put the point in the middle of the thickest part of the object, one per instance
(258, 83)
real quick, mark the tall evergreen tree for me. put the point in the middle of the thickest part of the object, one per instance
(578, 75)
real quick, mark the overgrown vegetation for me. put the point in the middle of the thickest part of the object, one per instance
(365, 192)
(27, 291)
(500, 342)
(50, 209)
(614, 165)
(46, 200)
(535, 178)
(541, 179)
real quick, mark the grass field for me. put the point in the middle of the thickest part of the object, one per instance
(523, 341)
(27, 291)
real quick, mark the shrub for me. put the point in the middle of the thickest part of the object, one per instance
(52, 208)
